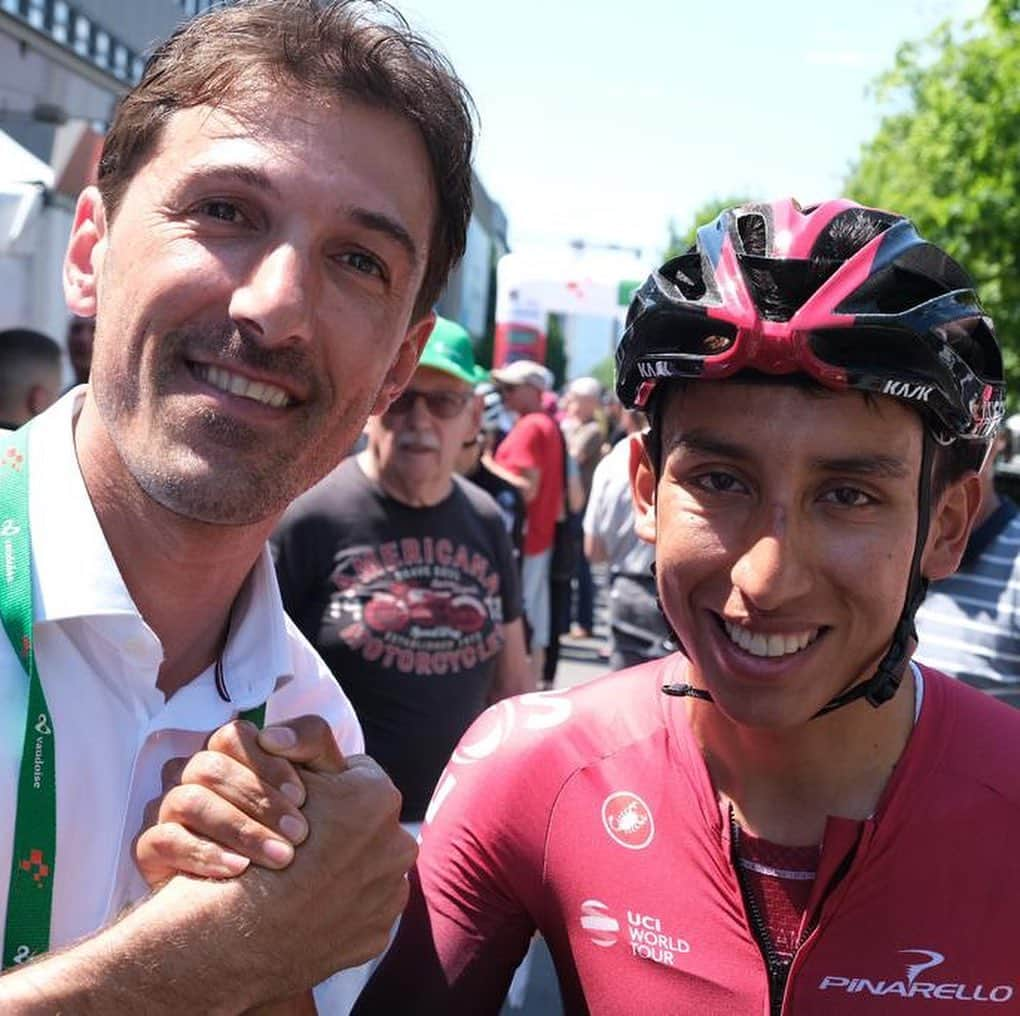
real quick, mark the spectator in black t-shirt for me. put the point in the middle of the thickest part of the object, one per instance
(402, 576)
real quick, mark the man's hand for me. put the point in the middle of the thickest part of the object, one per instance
(347, 884)
(236, 802)
(266, 935)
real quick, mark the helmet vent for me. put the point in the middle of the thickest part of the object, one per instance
(780, 287)
(688, 274)
(753, 233)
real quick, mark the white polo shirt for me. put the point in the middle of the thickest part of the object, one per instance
(98, 662)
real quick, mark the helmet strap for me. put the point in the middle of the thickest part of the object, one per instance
(688, 690)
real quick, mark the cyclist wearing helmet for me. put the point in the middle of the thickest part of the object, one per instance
(788, 816)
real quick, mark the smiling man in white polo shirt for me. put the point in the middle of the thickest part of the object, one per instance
(261, 255)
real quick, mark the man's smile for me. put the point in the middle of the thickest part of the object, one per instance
(236, 384)
(759, 643)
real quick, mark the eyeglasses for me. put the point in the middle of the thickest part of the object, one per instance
(442, 405)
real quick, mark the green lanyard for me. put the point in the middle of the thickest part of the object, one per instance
(30, 896)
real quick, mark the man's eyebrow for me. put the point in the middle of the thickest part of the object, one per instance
(379, 222)
(252, 176)
(702, 442)
(887, 467)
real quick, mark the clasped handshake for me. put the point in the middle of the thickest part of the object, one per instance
(300, 829)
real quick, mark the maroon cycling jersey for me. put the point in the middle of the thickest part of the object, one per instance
(590, 816)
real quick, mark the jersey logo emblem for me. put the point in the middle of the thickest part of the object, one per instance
(918, 962)
(643, 932)
(628, 820)
(934, 959)
(599, 923)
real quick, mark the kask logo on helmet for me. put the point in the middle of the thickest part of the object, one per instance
(654, 369)
(906, 390)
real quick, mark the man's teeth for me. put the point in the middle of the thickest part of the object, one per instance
(758, 644)
(225, 381)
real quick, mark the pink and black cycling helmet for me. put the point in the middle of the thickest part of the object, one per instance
(771, 288)
(850, 296)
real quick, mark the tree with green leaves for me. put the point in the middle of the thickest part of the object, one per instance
(948, 154)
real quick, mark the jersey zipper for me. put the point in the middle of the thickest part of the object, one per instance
(777, 970)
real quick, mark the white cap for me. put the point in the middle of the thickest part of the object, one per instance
(586, 387)
(521, 372)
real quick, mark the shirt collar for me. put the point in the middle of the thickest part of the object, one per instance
(76, 576)
(257, 659)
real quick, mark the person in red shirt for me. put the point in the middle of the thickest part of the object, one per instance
(533, 452)
(789, 816)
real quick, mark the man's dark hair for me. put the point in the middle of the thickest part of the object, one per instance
(342, 49)
(781, 287)
(24, 345)
(22, 351)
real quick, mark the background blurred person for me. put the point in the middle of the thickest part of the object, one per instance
(585, 436)
(81, 334)
(401, 574)
(637, 629)
(616, 425)
(533, 453)
(475, 463)
(29, 375)
(967, 625)
(565, 550)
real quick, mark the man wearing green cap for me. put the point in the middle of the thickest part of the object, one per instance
(401, 574)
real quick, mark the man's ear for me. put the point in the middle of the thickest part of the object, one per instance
(642, 487)
(951, 523)
(85, 252)
(404, 364)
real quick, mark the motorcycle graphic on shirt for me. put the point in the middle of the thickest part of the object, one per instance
(422, 606)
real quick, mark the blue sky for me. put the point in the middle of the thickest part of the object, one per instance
(603, 120)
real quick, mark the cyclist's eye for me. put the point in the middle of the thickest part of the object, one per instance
(718, 482)
(849, 497)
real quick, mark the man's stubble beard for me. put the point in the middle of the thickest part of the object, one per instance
(226, 487)
(207, 466)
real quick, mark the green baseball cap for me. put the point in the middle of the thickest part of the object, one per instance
(450, 350)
